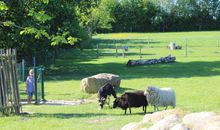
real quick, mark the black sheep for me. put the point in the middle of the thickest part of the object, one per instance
(131, 99)
(105, 92)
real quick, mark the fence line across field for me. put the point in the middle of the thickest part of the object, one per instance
(189, 48)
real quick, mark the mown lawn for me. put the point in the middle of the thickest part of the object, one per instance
(195, 79)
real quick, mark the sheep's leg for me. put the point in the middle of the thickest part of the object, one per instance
(144, 109)
(166, 108)
(108, 102)
(154, 108)
(130, 109)
(125, 111)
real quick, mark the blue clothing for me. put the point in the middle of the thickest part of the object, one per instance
(30, 94)
(30, 84)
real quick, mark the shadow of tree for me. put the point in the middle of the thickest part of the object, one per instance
(79, 115)
(111, 42)
(63, 115)
(77, 70)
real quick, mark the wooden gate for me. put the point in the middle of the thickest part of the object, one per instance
(9, 95)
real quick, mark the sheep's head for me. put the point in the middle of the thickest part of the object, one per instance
(120, 102)
(117, 102)
(151, 89)
(102, 102)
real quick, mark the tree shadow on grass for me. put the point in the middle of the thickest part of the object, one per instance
(81, 115)
(64, 115)
(120, 54)
(77, 70)
(77, 115)
(75, 65)
(112, 42)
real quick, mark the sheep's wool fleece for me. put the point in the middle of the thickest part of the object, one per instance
(161, 96)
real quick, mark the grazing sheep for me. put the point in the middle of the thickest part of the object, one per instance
(160, 97)
(105, 92)
(131, 99)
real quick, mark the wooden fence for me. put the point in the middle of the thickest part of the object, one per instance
(9, 96)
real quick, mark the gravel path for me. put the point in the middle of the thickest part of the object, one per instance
(61, 102)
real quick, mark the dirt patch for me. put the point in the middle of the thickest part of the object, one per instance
(64, 102)
(61, 102)
(99, 120)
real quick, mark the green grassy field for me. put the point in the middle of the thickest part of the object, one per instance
(195, 78)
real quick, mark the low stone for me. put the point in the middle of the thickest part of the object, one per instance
(93, 83)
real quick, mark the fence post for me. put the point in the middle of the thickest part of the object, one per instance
(140, 53)
(35, 79)
(23, 69)
(123, 52)
(116, 49)
(186, 47)
(46, 59)
(42, 83)
(34, 61)
(35, 84)
(97, 50)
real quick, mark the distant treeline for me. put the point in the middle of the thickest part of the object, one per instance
(164, 15)
(33, 26)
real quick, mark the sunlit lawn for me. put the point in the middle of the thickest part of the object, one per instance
(195, 79)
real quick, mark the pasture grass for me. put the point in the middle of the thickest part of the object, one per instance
(195, 79)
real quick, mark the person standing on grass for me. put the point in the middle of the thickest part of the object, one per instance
(30, 85)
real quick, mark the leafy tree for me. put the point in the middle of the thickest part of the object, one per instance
(28, 25)
(134, 15)
(102, 17)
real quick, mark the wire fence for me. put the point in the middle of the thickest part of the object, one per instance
(147, 48)
(22, 73)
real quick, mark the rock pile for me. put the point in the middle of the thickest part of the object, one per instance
(175, 120)
(166, 59)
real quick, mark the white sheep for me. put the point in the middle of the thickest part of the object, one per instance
(160, 97)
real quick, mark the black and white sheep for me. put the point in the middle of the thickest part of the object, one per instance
(131, 99)
(160, 97)
(105, 92)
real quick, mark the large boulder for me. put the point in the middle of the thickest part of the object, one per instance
(176, 120)
(93, 83)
